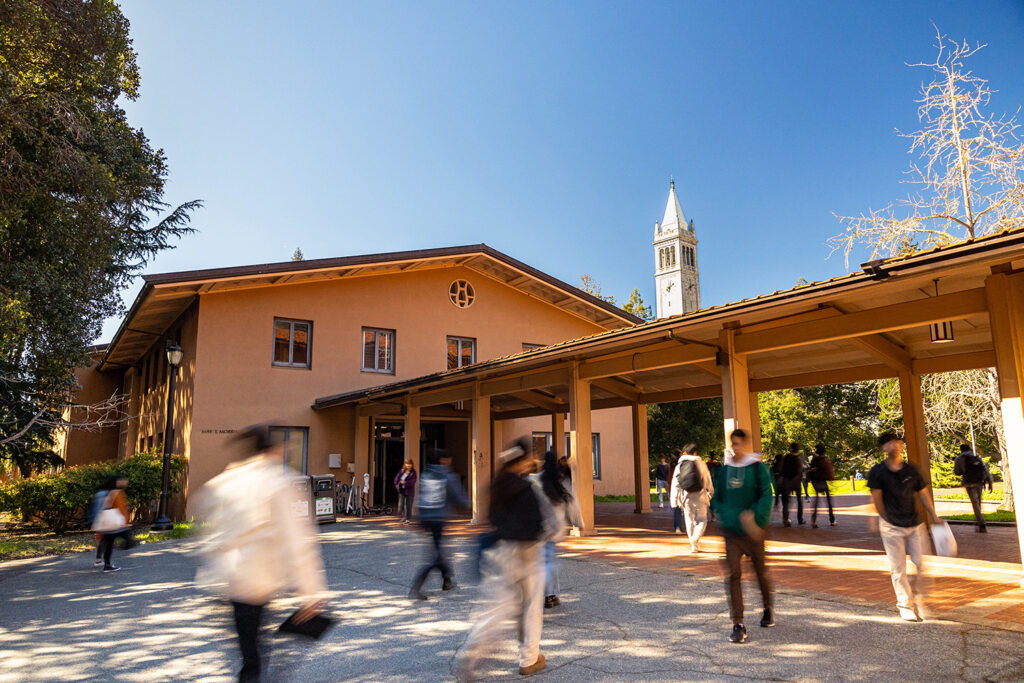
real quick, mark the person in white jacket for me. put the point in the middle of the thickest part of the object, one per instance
(692, 490)
(256, 545)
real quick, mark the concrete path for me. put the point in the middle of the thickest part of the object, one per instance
(61, 619)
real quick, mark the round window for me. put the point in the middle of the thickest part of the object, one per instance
(461, 293)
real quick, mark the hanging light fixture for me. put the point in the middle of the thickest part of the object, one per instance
(942, 333)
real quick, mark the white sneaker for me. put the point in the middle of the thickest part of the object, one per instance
(98, 562)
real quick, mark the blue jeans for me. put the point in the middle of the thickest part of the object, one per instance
(550, 569)
(677, 519)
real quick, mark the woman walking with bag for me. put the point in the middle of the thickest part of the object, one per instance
(112, 521)
(553, 486)
(405, 483)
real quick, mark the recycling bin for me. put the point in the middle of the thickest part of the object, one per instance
(324, 492)
(302, 500)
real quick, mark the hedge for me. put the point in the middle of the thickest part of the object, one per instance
(61, 500)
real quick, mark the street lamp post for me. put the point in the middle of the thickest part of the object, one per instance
(163, 522)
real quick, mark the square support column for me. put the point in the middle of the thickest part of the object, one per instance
(914, 433)
(755, 423)
(735, 385)
(480, 448)
(581, 449)
(1005, 293)
(558, 434)
(362, 440)
(641, 460)
(412, 435)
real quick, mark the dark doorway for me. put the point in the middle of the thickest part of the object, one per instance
(389, 453)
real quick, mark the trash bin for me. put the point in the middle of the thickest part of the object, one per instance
(323, 498)
(301, 507)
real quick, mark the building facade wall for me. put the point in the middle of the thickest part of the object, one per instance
(81, 446)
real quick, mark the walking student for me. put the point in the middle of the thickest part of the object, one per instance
(743, 503)
(255, 545)
(514, 588)
(791, 472)
(440, 494)
(661, 480)
(111, 520)
(820, 473)
(673, 494)
(555, 487)
(895, 484)
(405, 483)
(974, 475)
(692, 491)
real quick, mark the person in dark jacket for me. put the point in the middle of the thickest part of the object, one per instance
(440, 494)
(520, 517)
(820, 474)
(405, 483)
(974, 476)
(791, 473)
(743, 503)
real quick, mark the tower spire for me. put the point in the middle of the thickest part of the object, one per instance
(675, 260)
(673, 219)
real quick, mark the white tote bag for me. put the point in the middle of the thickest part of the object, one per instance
(943, 540)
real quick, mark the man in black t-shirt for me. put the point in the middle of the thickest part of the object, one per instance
(895, 485)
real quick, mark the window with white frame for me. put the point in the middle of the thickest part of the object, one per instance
(544, 440)
(295, 441)
(292, 342)
(378, 350)
(461, 352)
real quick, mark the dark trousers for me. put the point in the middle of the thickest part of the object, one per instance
(974, 493)
(247, 624)
(819, 488)
(106, 547)
(405, 506)
(436, 561)
(789, 489)
(677, 519)
(735, 548)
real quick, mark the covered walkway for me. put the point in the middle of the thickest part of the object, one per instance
(955, 308)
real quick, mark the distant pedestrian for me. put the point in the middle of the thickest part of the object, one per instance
(521, 520)
(255, 545)
(405, 483)
(974, 476)
(791, 472)
(661, 473)
(777, 479)
(804, 466)
(440, 494)
(743, 503)
(820, 473)
(111, 521)
(673, 494)
(555, 487)
(692, 490)
(895, 484)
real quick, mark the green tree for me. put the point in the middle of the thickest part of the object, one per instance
(673, 425)
(297, 255)
(635, 305)
(593, 287)
(81, 195)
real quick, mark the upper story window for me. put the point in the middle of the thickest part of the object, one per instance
(461, 352)
(378, 350)
(666, 257)
(292, 341)
(462, 294)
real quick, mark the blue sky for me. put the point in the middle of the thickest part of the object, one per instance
(547, 130)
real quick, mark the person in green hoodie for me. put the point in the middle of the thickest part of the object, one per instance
(743, 505)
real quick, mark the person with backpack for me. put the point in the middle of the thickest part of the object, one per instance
(777, 479)
(440, 494)
(791, 473)
(98, 499)
(743, 503)
(820, 473)
(692, 490)
(974, 475)
(111, 521)
(521, 519)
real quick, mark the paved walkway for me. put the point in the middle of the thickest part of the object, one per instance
(634, 609)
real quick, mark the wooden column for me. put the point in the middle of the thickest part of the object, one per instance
(558, 434)
(641, 460)
(362, 440)
(480, 447)
(755, 423)
(913, 425)
(735, 385)
(1005, 295)
(412, 435)
(581, 453)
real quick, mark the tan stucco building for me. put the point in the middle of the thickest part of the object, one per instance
(261, 343)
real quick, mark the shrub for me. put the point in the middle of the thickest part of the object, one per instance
(60, 500)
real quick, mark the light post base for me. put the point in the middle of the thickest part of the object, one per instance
(162, 524)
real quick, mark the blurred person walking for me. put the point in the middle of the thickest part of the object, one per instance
(894, 485)
(111, 521)
(743, 503)
(974, 476)
(440, 493)
(661, 473)
(820, 473)
(255, 545)
(776, 471)
(405, 484)
(555, 488)
(674, 498)
(791, 473)
(693, 489)
(522, 520)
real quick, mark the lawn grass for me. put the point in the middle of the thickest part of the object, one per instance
(960, 494)
(839, 487)
(994, 516)
(24, 542)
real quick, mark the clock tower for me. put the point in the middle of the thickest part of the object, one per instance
(676, 277)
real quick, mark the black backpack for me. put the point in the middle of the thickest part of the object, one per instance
(975, 470)
(791, 466)
(688, 478)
